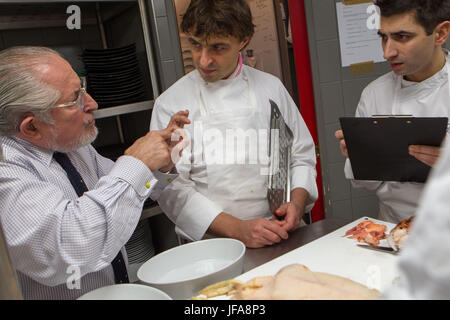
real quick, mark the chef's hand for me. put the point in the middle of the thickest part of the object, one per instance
(179, 120)
(340, 136)
(427, 154)
(291, 213)
(154, 149)
(257, 233)
(177, 141)
(254, 233)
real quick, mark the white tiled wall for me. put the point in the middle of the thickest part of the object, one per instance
(337, 93)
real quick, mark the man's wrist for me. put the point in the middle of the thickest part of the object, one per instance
(224, 225)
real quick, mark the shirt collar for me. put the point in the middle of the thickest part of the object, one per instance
(238, 69)
(438, 78)
(42, 154)
(238, 73)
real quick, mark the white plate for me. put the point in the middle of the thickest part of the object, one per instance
(184, 270)
(127, 291)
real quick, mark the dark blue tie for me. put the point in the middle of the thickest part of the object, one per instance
(118, 264)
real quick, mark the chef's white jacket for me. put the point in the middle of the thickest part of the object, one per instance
(185, 201)
(424, 263)
(392, 95)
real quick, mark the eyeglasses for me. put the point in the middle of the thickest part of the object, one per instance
(78, 101)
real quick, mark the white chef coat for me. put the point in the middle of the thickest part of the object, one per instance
(186, 200)
(393, 95)
(424, 263)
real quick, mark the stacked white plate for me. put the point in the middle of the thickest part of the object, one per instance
(139, 249)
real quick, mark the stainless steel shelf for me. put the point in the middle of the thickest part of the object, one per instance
(9, 23)
(124, 109)
(150, 212)
(56, 1)
(22, 15)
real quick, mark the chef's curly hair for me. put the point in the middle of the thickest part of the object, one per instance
(208, 18)
(429, 13)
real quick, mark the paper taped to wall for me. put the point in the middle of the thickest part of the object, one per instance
(358, 33)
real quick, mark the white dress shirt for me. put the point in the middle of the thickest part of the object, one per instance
(54, 235)
(186, 201)
(392, 95)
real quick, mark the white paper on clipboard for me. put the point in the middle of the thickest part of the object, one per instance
(358, 34)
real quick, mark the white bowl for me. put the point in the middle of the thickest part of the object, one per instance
(184, 270)
(126, 291)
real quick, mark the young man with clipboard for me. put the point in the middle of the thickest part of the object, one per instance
(412, 33)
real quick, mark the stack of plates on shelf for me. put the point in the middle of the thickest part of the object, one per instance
(113, 76)
(139, 248)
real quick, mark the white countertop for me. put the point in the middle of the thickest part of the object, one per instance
(335, 254)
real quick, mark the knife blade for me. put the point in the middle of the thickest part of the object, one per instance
(379, 248)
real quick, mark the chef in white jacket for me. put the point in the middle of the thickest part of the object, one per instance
(222, 185)
(412, 33)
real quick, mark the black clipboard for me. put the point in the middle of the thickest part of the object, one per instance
(378, 146)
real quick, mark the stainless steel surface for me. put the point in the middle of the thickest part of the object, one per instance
(150, 212)
(124, 109)
(149, 48)
(256, 257)
(73, 1)
(281, 138)
(9, 287)
(16, 15)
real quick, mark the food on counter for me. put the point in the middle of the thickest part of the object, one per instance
(217, 289)
(293, 282)
(399, 234)
(368, 232)
(297, 282)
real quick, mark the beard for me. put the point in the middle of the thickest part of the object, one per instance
(83, 140)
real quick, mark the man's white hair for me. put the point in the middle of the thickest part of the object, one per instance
(21, 90)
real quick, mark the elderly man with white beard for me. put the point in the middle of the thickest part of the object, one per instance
(67, 211)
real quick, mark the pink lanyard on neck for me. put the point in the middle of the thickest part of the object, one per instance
(240, 65)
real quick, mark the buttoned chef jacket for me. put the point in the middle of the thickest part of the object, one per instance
(392, 95)
(424, 263)
(53, 235)
(186, 200)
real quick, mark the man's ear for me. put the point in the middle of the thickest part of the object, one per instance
(28, 128)
(442, 32)
(244, 43)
